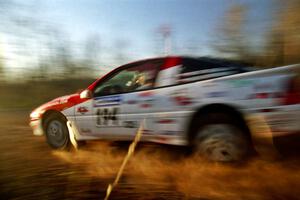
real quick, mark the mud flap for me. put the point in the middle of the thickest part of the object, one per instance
(72, 133)
(262, 136)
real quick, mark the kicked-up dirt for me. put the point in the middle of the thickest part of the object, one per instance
(29, 169)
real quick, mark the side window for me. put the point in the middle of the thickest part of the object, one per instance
(193, 70)
(198, 70)
(135, 77)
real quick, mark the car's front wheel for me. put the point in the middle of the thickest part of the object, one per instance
(57, 133)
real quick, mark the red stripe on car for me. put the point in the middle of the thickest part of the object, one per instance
(166, 121)
(171, 62)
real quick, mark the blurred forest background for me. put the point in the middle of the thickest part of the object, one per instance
(61, 67)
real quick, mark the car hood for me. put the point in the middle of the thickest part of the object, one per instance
(58, 104)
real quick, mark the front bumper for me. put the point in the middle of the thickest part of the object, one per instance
(37, 127)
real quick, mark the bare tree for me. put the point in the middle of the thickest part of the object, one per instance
(19, 21)
(120, 50)
(49, 48)
(1, 67)
(92, 49)
(231, 39)
(283, 45)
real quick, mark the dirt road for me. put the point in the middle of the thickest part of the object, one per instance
(29, 169)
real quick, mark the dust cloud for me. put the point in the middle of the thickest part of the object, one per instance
(158, 168)
(29, 169)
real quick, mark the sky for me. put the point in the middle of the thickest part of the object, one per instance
(193, 23)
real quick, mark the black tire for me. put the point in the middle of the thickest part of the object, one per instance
(219, 137)
(56, 132)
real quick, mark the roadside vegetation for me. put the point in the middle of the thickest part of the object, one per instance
(62, 66)
(31, 94)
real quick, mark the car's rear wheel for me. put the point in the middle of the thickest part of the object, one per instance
(219, 138)
(57, 133)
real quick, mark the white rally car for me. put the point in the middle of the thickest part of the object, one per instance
(220, 108)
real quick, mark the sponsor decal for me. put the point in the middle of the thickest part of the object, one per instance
(107, 116)
(64, 100)
(170, 133)
(130, 124)
(181, 98)
(107, 101)
(166, 121)
(217, 94)
(85, 130)
(241, 82)
(264, 90)
(82, 110)
(263, 86)
(132, 102)
(145, 94)
(261, 95)
(147, 103)
(265, 95)
(144, 99)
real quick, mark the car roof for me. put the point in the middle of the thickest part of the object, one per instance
(221, 62)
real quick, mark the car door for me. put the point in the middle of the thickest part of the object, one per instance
(99, 116)
(172, 103)
(140, 103)
(120, 102)
(157, 106)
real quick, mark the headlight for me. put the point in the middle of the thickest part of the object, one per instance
(34, 115)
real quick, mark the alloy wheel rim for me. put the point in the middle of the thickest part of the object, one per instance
(56, 133)
(220, 142)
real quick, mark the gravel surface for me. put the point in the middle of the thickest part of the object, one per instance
(29, 169)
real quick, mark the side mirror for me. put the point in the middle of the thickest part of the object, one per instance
(85, 94)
